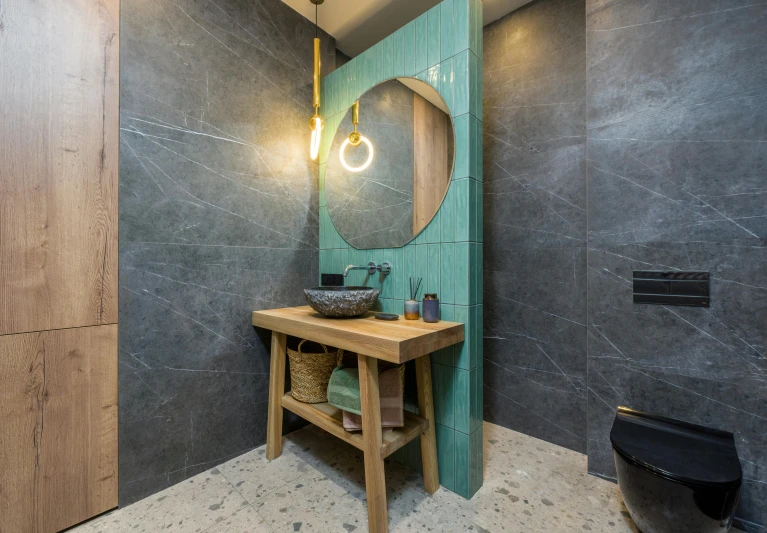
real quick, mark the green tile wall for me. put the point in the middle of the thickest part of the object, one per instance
(444, 48)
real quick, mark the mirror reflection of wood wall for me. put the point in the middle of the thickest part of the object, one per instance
(431, 131)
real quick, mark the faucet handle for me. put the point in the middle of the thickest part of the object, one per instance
(384, 268)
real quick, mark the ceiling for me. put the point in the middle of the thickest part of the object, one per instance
(359, 24)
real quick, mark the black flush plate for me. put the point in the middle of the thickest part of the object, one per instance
(332, 280)
(671, 288)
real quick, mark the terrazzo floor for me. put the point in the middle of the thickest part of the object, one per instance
(317, 485)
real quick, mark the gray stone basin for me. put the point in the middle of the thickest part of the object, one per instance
(340, 302)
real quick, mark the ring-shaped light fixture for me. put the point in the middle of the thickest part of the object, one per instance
(364, 165)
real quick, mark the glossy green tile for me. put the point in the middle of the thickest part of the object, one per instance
(398, 52)
(475, 413)
(432, 233)
(421, 268)
(409, 48)
(326, 261)
(476, 461)
(478, 211)
(445, 355)
(409, 271)
(472, 219)
(446, 29)
(462, 463)
(442, 389)
(475, 356)
(462, 212)
(475, 165)
(462, 262)
(446, 456)
(462, 22)
(475, 88)
(397, 272)
(368, 71)
(447, 217)
(462, 350)
(473, 271)
(434, 49)
(338, 260)
(475, 27)
(388, 58)
(421, 43)
(461, 84)
(433, 276)
(463, 141)
(446, 74)
(462, 400)
(432, 76)
(447, 274)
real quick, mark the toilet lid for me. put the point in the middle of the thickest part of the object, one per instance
(676, 450)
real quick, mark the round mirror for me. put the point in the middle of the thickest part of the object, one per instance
(390, 164)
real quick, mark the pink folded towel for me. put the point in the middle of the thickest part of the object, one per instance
(391, 388)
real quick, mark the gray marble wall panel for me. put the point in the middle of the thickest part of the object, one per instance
(660, 163)
(218, 217)
(535, 221)
(677, 147)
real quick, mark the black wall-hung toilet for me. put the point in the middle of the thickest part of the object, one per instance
(675, 477)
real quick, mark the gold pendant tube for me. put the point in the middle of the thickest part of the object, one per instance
(316, 91)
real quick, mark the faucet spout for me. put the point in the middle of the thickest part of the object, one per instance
(371, 267)
(358, 267)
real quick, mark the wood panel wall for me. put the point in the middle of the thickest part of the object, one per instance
(59, 115)
(431, 161)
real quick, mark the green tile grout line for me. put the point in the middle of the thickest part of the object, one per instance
(442, 47)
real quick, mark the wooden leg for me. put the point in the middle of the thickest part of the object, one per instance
(429, 437)
(276, 390)
(375, 482)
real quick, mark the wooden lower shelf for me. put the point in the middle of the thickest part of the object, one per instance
(329, 418)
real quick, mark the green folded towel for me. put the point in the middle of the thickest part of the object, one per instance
(344, 389)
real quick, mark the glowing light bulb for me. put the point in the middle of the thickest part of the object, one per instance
(364, 165)
(314, 148)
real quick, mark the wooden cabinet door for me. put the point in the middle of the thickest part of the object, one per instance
(58, 428)
(59, 116)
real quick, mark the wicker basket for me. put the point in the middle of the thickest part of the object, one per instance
(310, 373)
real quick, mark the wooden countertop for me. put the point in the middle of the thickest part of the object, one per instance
(395, 341)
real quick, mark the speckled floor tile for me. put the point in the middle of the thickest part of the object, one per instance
(193, 505)
(246, 520)
(317, 486)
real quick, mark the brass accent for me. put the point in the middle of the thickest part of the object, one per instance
(317, 2)
(354, 137)
(312, 121)
(356, 112)
(316, 78)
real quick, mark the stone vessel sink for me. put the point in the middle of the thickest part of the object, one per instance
(340, 302)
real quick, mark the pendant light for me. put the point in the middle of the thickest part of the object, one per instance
(355, 139)
(315, 122)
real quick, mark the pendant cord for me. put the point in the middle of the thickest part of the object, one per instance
(316, 11)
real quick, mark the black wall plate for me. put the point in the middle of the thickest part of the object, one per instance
(332, 280)
(671, 288)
